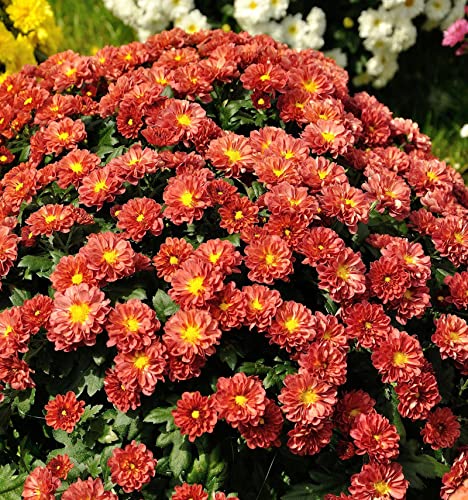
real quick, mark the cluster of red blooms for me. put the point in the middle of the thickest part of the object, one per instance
(350, 162)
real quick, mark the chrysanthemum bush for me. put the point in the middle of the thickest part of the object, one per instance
(367, 37)
(224, 275)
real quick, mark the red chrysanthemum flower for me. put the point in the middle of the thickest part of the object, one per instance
(266, 433)
(171, 255)
(222, 254)
(328, 136)
(375, 435)
(451, 336)
(132, 467)
(186, 198)
(388, 279)
(16, 373)
(191, 333)
(64, 411)
(143, 367)
(417, 396)
(293, 326)
(61, 134)
(442, 429)
(237, 214)
(40, 484)
(8, 249)
(319, 172)
(379, 481)
(109, 256)
(195, 283)
(71, 270)
(74, 166)
(450, 239)
(189, 492)
(261, 306)
(309, 439)
(399, 359)
(60, 466)
(348, 204)
(456, 478)
(232, 154)
(240, 400)
(265, 77)
(123, 397)
(228, 307)
(319, 245)
(77, 317)
(14, 336)
(273, 170)
(195, 415)
(131, 326)
(35, 312)
(325, 361)
(458, 287)
(343, 276)
(89, 488)
(268, 259)
(350, 406)
(50, 218)
(306, 399)
(138, 216)
(367, 323)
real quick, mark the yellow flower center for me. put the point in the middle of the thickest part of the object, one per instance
(70, 72)
(310, 86)
(79, 312)
(387, 279)
(63, 136)
(400, 359)
(238, 215)
(309, 396)
(77, 279)
(214, 257)
(27, 101)
(291, 325)
(173, 260)
(256, 304)
(382, 488)
(224, 306)
(100, 186)
(240, 400)
(454, 336)
(19, 186)
(64, 413)
(195, 285)
(195, 414)
(459, 237)
(77, 168)
(342, 272)
(432, 176)
(184, 120)
(187, 199)
(350, 202)
(328, 136)
(7, 331)
(270, 259)
(110, 256)
(140, 218)
(190, 334)
(3, 158)
(140, 361)
(233, 155)
(132, 324)
(367, 325)
(50, 218)
(265, 77)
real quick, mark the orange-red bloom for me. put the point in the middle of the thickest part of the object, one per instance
(138, 216)
(195, 415)
(442, 429)
(379, 482)
(89, 488)
(266, 433)
(40, 484)
(132, 467)
(72, 270)
(64, 411)
(77, 317)
(60, 466)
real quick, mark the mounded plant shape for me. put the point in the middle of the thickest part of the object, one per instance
(222, 274)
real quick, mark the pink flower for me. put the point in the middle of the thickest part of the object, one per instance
(455, 33)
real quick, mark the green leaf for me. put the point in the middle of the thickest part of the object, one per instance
(106, 139)
(11, 484)
(234, 239)
(164, 305)
(159, 415)
(37, 264)
(90, 412)
(228, 355)
(23, 401)
(93, 380)
(138, 293)
(180, 457)
(18, 296)
(302, 492)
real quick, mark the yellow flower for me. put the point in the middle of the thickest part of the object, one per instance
(28, 16)
(7, 42)
(22, 53)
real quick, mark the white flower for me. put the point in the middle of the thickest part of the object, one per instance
(339, 56)
(457, 12)
(294, 28)
(277, 8)
(375, 23)
(271, 28)
(317, 21)
(381, 62)
(192, 22)
(436, 10)
(404, 36)
(409, 9)
(464, 131)
(248, 12)
(373, 44)
(310, 40)
(175, 9)
(389, 66)
(390, 4)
